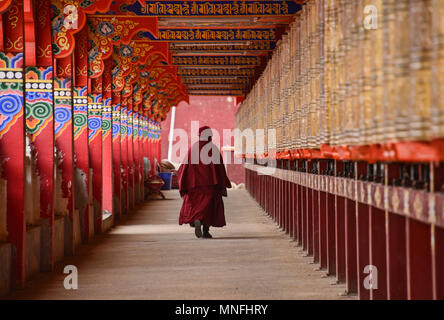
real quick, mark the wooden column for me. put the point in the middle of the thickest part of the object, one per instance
(309, 209)
(95, 105)
(437, 182)
(107, 151)
(39, 107)
(145, 151)
(362, 232)
(136, 155)
(63, 133)
(396, 244)
(331, 228)
(12, 132)
(323, 254)
(117, 205)
(130, 155)
(339, 224)
(316, 216)
(351, 262)
(124, 155)
(81, 149)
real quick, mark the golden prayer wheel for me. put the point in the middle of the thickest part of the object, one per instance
(335, 80)
(389, 27)
(421, 46)
(437, 69)
(401, 70)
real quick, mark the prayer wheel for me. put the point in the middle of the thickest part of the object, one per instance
(437, 69)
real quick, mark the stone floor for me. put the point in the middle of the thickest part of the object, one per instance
(149, 256)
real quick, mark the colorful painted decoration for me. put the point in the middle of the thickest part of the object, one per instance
(216, 60)
(68, 18)
(106, 31)
(116, 121)
(211, 8)
(80, 111)
(11, 84)
(251, 46)
(63, 108)
(39, 99)
(106, 118)
(242, 72)
(191, 80)
(94, 116)
(184, 35)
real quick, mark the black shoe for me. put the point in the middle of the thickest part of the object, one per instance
(197, 228)
(192, 224)
(207, 235)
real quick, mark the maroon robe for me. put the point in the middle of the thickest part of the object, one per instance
(202, 186)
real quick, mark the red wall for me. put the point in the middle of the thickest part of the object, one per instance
(213, 111)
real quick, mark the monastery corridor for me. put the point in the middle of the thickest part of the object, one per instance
(155, 258)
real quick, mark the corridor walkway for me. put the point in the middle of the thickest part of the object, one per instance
(149, 256)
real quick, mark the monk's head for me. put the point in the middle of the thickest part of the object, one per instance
(205, 133)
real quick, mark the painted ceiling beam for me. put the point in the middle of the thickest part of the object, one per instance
(216, 87)
(216, 60)
(189, 80)
(226, 8)
(250, 46)
(217, 93)
(244, 72)
(211, 34)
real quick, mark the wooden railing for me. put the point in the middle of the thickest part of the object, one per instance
(361, 223)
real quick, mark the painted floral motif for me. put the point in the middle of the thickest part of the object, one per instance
(105, 29)
(94, 116)
(126, 51)
(80, 111)
(11, 88)
(63, 34)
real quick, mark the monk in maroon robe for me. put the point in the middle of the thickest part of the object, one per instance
(202, 183)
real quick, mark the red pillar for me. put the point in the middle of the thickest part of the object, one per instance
(145, 150)
(309, 210)
(351, 262)
(107, 151)
(117, 205)
(81, 149)
(130, 155)
(39, 108)
(136, 164)
(437, 174)
(396, 246)
(419, 260)
(378, 252)
(396, 257)
(12, 133)
(124, 155)
(63, 133)
(316, 224)
(439, 263)
(362, 233)
(323, 253)
(95, 147)
(339, 225)
(63, 126)
(331, 228)
(159, 143)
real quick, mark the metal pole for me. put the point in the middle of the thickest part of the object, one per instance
(171, 135)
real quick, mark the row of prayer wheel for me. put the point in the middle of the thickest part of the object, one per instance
(352, 72)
